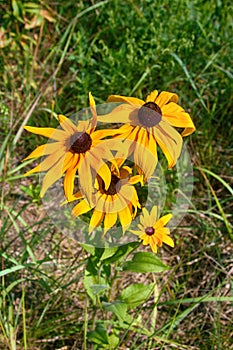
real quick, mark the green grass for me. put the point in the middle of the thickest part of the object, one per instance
(127, 48)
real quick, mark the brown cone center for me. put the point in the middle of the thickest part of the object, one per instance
(112, 188)
(150, 114)
(150, 231)
(80, 142)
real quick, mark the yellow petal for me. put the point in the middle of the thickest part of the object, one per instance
(125, 217)
(165, 97)
(81, 208)
(153, 247)
(96, 219)
(109, 221)
(52, 176)
(67, 124)
(135, 232)
(69, 181)
(54, 134)
(176, 116)
(86, 180)
(74, 197)
(100, 168)
(144, 218)
(152, 96)
(153, 214)
(83, 125)
(169, 141)
(47, 163)
(44, 150)
(144, 158)
(91, 100)
(68, 161)
(127, 192)
(123, 113)
(99, 134)
(163, 221)
(125, 171)
(93, 121)
(131, 100)
(168, 240)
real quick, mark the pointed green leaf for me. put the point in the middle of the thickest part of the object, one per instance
(136, 294)
(119, 308)
(145, 262)
(99, 335)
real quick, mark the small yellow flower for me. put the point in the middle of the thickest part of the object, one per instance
(152, 231)
(120, 200)
(148, 123)
(77, 149)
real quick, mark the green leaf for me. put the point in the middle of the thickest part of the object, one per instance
(108, 252)
(121, 252)
(93, 288)
(113, 341)
(12, 269)
(98, 288)
(99, 335)
(119, 308)
(89, 248)
(145, 262)
(136, 294)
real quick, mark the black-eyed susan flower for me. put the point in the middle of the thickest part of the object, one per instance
(120, 200)
(148, 123)
(77, 148)
(152, 231)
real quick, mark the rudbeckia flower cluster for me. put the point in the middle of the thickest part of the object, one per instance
(109, 185)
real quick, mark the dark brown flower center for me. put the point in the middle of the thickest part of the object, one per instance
(150, 231)
(112, 188)
(150, 114)
(80, 142)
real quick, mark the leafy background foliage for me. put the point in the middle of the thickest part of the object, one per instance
(56, 294)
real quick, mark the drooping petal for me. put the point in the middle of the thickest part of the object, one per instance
(125, 217)
(67, 124)
(176, 116)
(164, 97)
(52, 175)
(86, 179)
(47, 163)
(96, 219)
(81, 208)
(127, 192)
(99, 167)
(58, 135)
(169, 141)
(145, 154)
(68, 161)
(109, 221)
(153, 246)
(70, 177)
